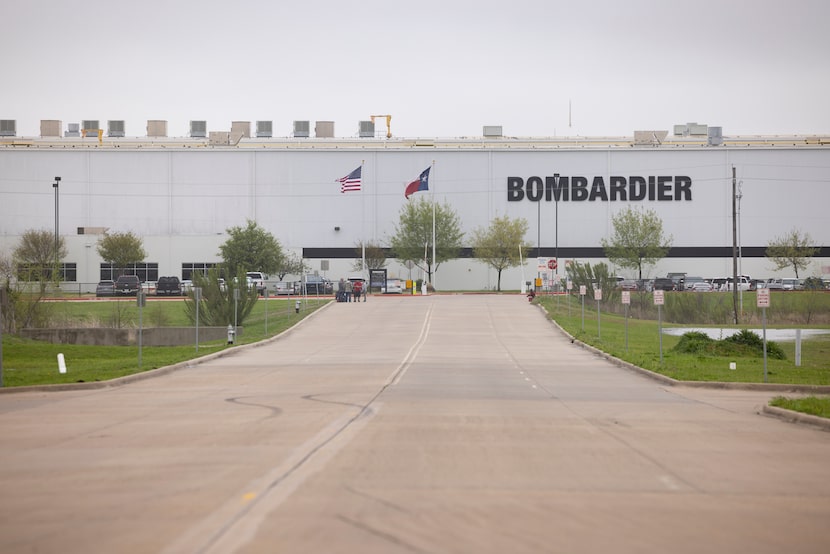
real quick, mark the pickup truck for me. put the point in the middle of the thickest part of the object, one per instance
(257, 279)
(168, 286)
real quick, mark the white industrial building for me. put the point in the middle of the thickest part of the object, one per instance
(181, 194)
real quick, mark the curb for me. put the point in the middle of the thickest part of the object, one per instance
(151, 373)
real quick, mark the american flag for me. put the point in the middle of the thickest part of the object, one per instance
(351, 181)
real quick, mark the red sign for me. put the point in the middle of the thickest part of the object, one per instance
(552, 263)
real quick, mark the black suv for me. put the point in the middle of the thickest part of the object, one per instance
(127, 285)
(169, 286)
(664, 283)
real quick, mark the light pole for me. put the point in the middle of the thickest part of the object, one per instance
(55, 186)
(556, 234)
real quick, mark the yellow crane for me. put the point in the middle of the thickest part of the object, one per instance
(388, 124)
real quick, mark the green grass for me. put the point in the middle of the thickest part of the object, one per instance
(29, 362)
(811, 405)
(644, 348)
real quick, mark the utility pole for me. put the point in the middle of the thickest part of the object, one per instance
(55, 186)
(735, 283)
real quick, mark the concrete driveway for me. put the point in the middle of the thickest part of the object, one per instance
(409, 424)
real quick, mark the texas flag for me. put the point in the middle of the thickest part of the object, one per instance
(422, 183)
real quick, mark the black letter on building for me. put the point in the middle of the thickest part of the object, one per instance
(664, 188)
(618, 188)
(514, 189)
(682, 187)
(598, 190)
(535, 189)
(556, 188)
(636, 188)
(579, 188)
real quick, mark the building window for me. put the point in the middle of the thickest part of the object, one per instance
(36, 273)
(189, 268)
(146, 272)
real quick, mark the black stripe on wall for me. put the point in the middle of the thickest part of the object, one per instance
(580, 252)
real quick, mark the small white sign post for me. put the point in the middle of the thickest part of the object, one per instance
(582, 292)
(658, 301)
(141, 301)
(569, 286)
(626, 300)
(197, 299)
(762, 301)
(598, 297)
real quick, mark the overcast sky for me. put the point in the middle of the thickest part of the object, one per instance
(441, 68)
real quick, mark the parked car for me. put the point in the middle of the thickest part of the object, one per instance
(790, 283)
(743, 283)
(257, 279)
(314, 284)
(701, 286)
(628, 284)
(168, 286)
(664, 283)
(127, 285)
(393, 286)
(689, 282)
(105, 288)
(283, 288)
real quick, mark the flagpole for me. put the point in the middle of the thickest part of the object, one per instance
(362, 226)
(434, 259)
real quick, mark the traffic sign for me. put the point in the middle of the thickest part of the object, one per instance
(762, 298)
(626, 297)
(552, 264)
(658, 298)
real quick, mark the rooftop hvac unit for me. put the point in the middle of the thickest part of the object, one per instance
(198, 129)
(698, 129)
(324, 129)
(90, 125)
(264, 129)
(715, 136)
(366, 129)
(654, 138)
(72, 130)
(8, 127)
(115, 128)
(301, 129)
(492, 131)
(156, 128)
(242, 128)
(50, 127)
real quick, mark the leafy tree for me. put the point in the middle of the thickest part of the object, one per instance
(638, 240)
(291, 264)
(251, 248)
(498, 245)
(217, 304)
(35, 257)
(413, 235)
(793, 249)
(597, 276)
(375, 257)
(121, 250)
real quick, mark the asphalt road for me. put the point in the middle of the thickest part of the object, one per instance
(409, 424)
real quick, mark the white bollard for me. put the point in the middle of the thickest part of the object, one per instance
(61, 363)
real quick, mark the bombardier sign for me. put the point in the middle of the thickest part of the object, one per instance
(558, 188)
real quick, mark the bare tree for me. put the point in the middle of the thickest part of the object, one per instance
(793, 249)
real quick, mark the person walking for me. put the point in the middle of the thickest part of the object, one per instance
(348, 291)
